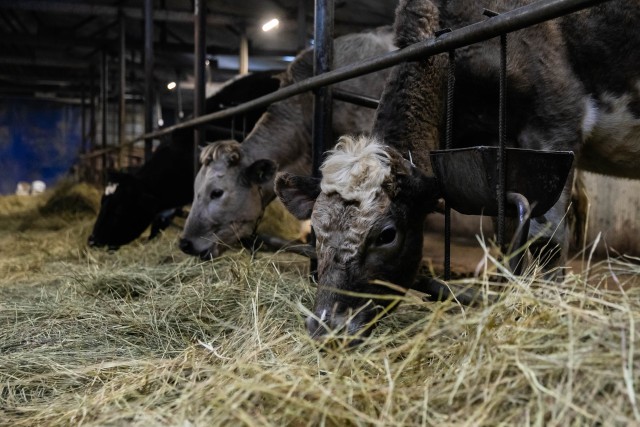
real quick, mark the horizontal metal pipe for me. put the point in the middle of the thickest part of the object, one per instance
(510, 21)
(355, 98)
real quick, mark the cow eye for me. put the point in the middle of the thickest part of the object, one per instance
(388, 235)
(217, 193)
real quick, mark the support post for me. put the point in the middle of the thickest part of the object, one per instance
(451, 82)
(502, 137)
(83, 118)
(322, 61)
(121, 91)
(322, 107)
(199, 37)
(91, 164)
(149, 94)
(104, 93)
(244, 53)
(302, 24)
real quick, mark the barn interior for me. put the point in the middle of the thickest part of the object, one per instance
(89, 56)
(147, 335)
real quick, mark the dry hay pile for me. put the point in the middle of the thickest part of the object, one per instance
(145, 337)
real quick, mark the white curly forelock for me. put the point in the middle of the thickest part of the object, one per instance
(356, 169)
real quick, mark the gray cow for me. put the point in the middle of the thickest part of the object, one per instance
(235, 182)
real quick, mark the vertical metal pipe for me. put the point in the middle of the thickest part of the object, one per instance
(302, 24)
(104, 93)
(244, 53)
(83, 120)
(92, 109)
(322, 107)
(179, 96)
(322, 61)
(451, 81)
(92, 124)
(149, 94)
(122, 89)
(200, 38)
(502, 137)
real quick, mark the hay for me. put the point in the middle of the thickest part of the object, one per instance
(146, 337)
(70, 198)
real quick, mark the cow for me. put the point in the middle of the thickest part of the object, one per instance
(131, 202)
(572, 83)
(235, 182)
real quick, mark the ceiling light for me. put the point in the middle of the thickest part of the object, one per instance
(271, 25)
(171, 85)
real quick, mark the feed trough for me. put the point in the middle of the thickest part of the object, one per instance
(468, 178)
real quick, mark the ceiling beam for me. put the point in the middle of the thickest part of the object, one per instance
(112, 11)
(43, 62)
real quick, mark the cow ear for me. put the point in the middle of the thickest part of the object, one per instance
(419, 189)
(260, 171)
(297, 193)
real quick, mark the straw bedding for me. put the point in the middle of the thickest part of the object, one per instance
(146, 336)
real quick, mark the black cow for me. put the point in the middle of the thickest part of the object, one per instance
(132, 202)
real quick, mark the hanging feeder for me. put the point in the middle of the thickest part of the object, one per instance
(497, 181)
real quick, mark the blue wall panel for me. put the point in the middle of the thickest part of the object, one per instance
(38, 140)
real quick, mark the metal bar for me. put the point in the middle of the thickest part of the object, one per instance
(322, 61)
(121, 91)
(322, 106)
(199, 90)
(302, 24)
(83, 128)
(148, 73)
(513, 20)
(502, 140)
(179, 96)
(104, 81)
(451, 81)
(354, 98)
(92, 109)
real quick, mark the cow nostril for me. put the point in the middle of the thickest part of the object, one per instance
(186, 246)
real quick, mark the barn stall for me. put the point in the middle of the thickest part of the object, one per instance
(147, 336)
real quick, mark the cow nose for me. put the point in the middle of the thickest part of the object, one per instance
(186, 246)
(314, 328)
(319, 331)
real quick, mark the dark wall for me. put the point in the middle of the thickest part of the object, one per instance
(38, 140)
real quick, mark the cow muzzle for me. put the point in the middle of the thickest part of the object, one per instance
(208, 253)
(348, 326)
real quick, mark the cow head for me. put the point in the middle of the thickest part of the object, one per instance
(367, 214)
(126, 211)
(228, 199)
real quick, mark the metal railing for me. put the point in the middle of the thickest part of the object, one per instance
(506, 22)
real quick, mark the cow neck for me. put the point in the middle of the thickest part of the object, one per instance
(411, 108)
(283, 135)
